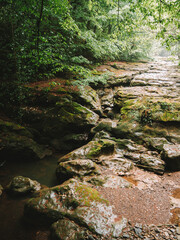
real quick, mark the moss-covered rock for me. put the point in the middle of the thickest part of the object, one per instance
(156, 143)
(146, 105)
(16, 147)
(16, 142)
(75, 201)
(88, 97)
(73, 168)
(65, 229)
(92, 150)
(10, 127)
(64, 117)
(23, 185)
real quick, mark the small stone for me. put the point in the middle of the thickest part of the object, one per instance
(138, 225)
(178, 230)
(157, 230)
(166, 234)
(138, 231)
(126, 236)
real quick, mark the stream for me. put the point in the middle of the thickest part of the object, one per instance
(153, 198)
(11, 208)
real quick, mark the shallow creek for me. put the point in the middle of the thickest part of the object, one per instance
(11, 208)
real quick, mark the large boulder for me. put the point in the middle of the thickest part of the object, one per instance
(156, 143)
(82, 161)
(23, 185)
(171, 155)
(79, 168)
(117, 163)
(63, 117)
(78, 202)
(151, 163)
(92, 150)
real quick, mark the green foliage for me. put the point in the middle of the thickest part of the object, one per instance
(39, 40)
(94, 79)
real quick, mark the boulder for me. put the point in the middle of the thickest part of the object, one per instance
(66, 229)
(151, 163)
(19, 147)
(23, 185)
(156, 143)
(104, 125)
(109, 181)
(75, 201)
(88, 97)
(73, 168)
(171, 155)
(62, 118)
(92, 150)
(69, 142)
(16, 142)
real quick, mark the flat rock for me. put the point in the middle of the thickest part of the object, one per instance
(117, 164)
(152, 163)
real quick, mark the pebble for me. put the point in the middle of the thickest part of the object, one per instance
(126, 236)
(138, 231)
(151, 232)
(166, 234)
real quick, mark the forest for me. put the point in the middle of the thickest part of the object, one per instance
(90, 119)
(54, 38)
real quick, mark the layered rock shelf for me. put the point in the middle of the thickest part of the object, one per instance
(121, 172)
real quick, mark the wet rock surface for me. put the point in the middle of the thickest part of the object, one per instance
(128, 167)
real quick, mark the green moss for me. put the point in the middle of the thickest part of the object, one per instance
(88, 195)
(103, 146)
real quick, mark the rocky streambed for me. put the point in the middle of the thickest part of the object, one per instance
(120, 178)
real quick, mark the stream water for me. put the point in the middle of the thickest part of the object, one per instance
(11, 208)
